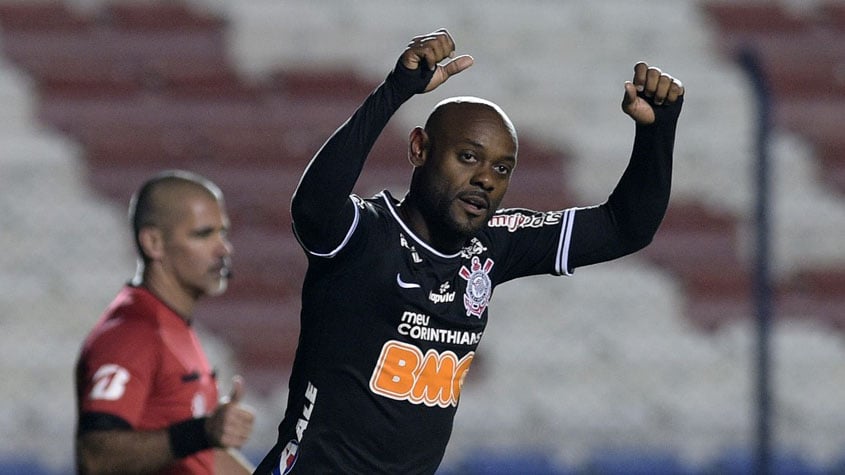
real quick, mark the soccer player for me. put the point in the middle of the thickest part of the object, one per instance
(147, 397)
(395, 297)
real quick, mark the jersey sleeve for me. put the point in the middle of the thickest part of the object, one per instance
(557, 242)
(366, 233)
(631, 216)
(118, 369)
(530, 242)
(323, 214)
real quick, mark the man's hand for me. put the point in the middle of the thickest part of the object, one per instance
(650, 88)
(231, 423)
(428, 50)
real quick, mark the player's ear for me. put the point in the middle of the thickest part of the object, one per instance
(152, 242)
(418, 147)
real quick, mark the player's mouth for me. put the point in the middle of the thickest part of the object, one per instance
(223, 270)
(475, 203)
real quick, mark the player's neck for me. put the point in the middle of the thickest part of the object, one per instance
(446, 242)
(170, 293)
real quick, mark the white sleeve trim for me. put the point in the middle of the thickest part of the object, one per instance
(346, 238)
(562, 258)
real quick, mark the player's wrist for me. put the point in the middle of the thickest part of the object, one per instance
(188, 437)
(410, 81)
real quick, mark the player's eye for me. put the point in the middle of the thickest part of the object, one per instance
(503, 169)
(203, 232)
(468, 156)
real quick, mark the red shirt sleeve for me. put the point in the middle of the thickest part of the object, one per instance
(119, 365)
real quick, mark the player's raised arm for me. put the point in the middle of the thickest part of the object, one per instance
(321, 209)
(630, 217)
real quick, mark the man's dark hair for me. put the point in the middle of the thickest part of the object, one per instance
(145, 210)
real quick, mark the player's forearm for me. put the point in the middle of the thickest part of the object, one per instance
(334, 170)
(114, 451)
(123, 451)
(332, 173)
(630, 217)
(639, 201)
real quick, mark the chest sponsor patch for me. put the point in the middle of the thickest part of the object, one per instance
(403, 372)
(443, 295)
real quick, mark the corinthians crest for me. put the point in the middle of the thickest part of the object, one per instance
(479, 286)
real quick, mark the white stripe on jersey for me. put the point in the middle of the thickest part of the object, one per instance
(562, 260)
(346, 239)
(419, 241)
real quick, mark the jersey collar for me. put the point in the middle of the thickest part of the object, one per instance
(390, 202)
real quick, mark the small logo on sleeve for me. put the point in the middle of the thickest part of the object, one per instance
(109, 382)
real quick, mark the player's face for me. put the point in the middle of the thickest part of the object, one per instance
(197, 248)
(468, 168)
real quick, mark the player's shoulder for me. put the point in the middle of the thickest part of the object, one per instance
(379, 210)
(121, 334)
(380, 203)
(134, 310)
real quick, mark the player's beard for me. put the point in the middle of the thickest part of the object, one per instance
(444, 215)
(223, 274)
(220, 288)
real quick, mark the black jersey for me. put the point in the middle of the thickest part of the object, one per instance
(389, 330)
(390, 325)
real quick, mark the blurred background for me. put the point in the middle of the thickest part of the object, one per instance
(648, 364)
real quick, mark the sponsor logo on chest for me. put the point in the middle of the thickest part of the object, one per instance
(443, 294)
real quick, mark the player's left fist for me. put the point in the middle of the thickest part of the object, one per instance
(649, 88)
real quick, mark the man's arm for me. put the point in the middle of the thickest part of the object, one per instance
(321, 209)
(630, 217)
(120, 449)
(123, 451)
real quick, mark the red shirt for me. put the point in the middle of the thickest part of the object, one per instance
(143, 363)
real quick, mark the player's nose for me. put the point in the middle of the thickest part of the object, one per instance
(483, 178)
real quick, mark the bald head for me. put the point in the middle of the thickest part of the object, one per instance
(160, 200)
(448, 114)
